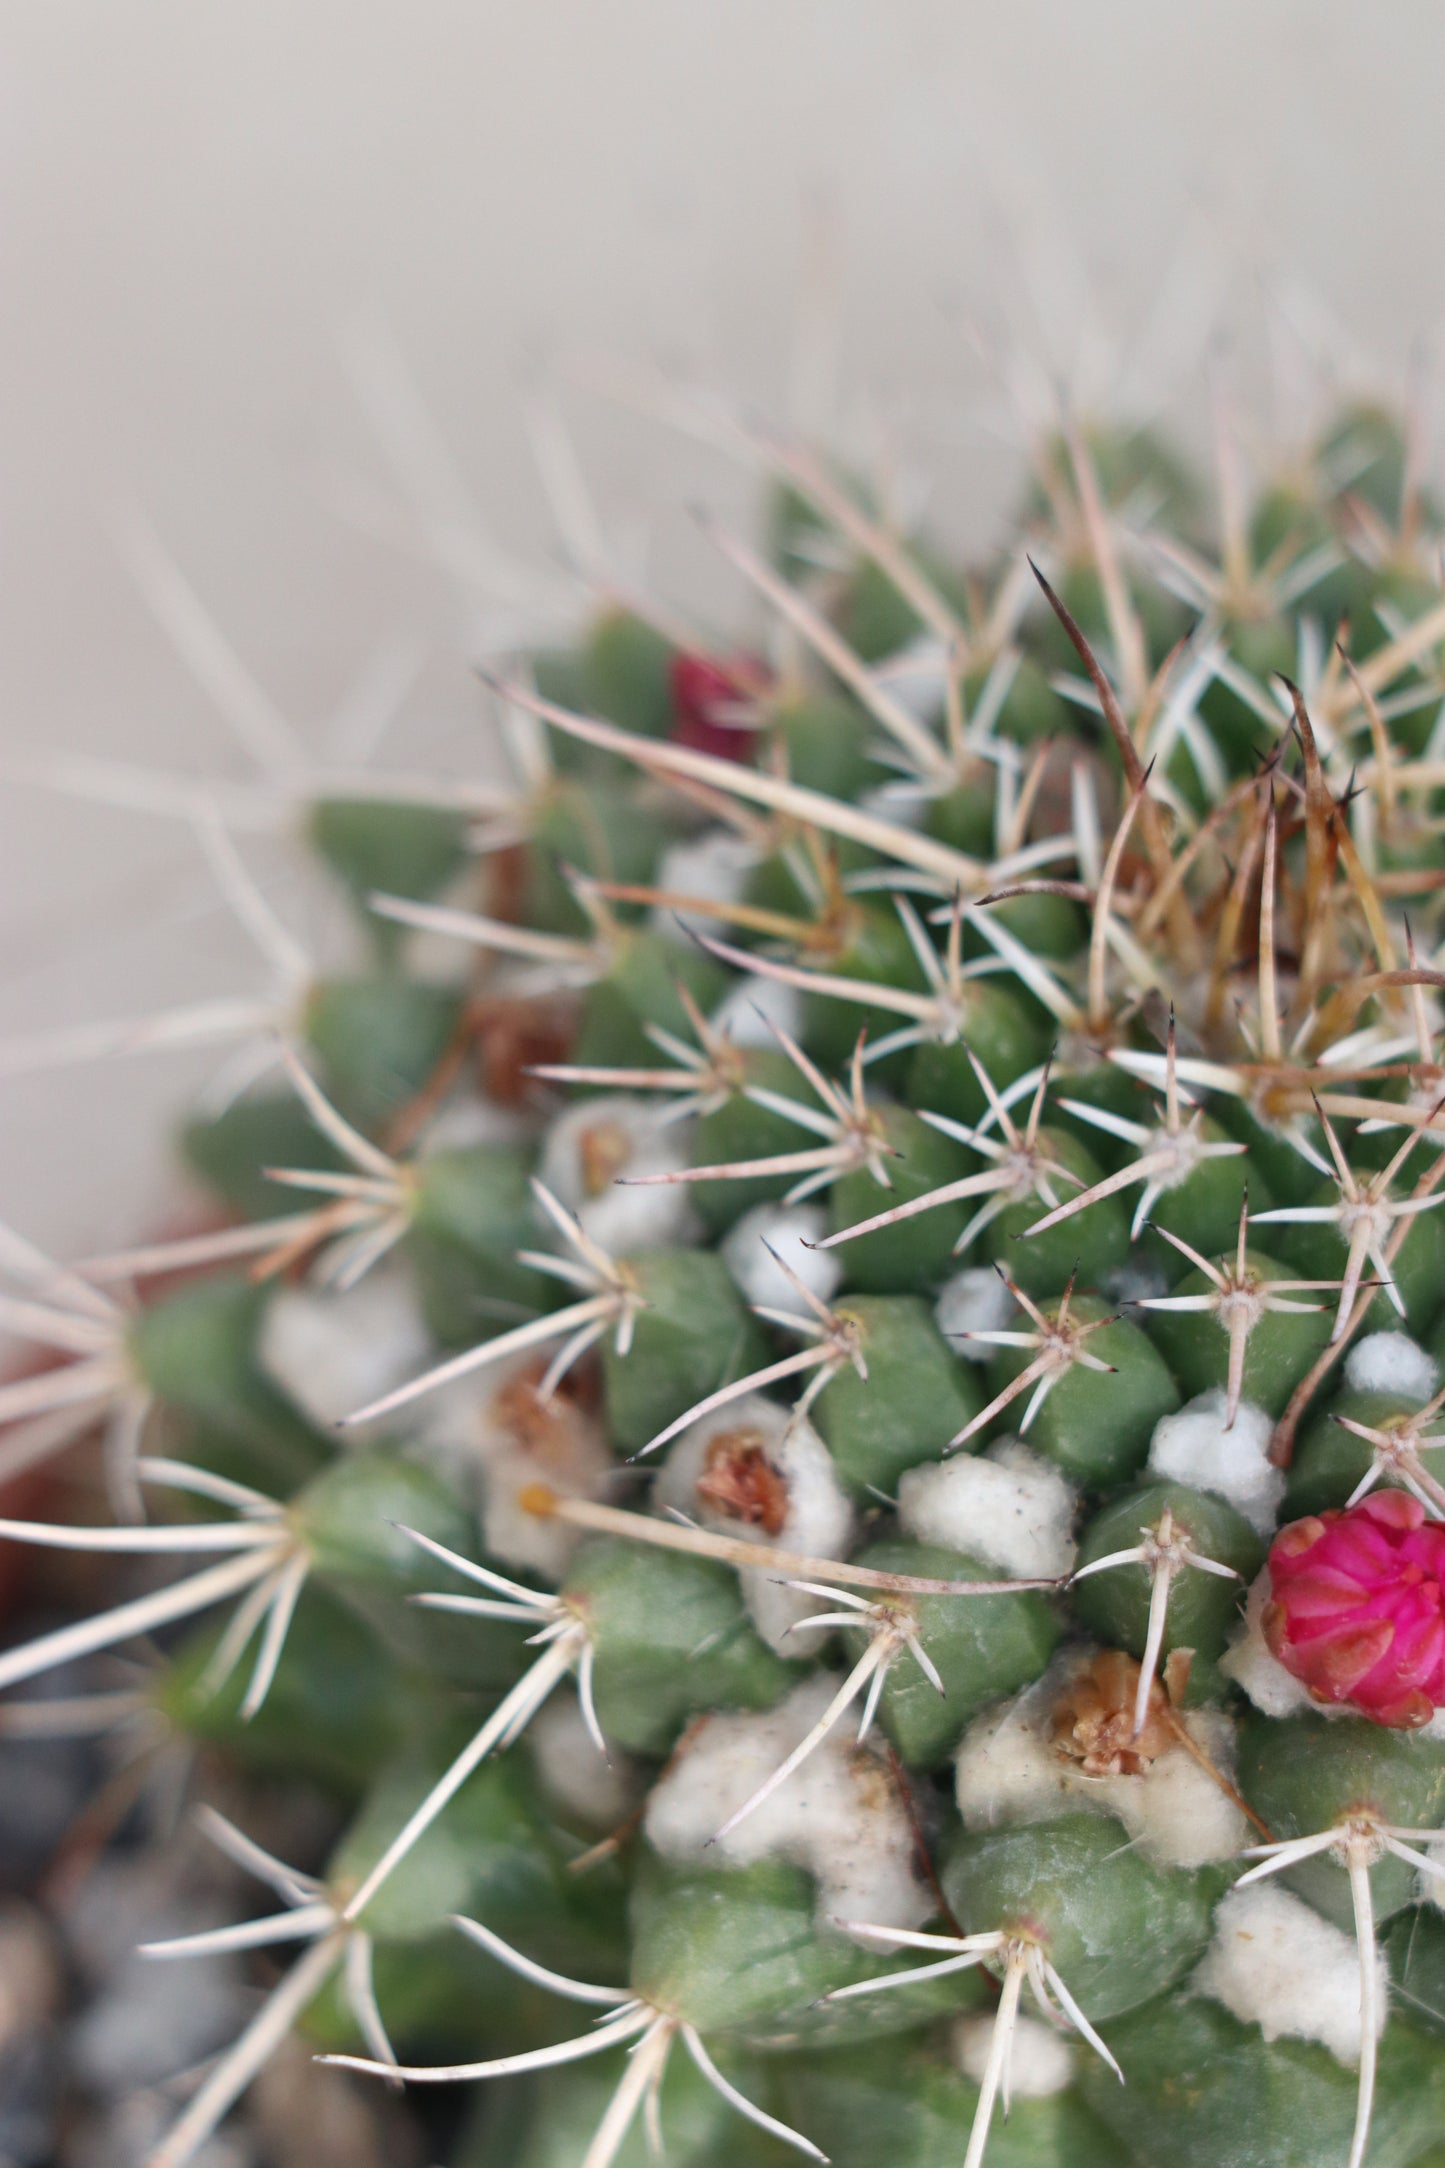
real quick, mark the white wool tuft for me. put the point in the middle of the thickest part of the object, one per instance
(819, 1519)
(1391, 1362)
(713, 867)
(1135, 1281)
(748, 1013)
(1041, 2062)
(918, 677)
(334, 1350)
(1431, 1887)
(1008, 1772)
(597, 1793)
(1008, 1507)
(1185, 1818)
(620, 1217)
(493, 1438)
(841, 1816)
(1277, 1964)
(1194, 1447)
(974, 1300)
(1249, 1662)
(471, 1119)
(788, 1229)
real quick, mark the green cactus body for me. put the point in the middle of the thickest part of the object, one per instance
(912, 2104)
(415, 851)
(914, 1254)
(1203, 1607)
(640, 989)
(1208, 2088)
(742, 1129)
(231, 1152)
(1097, 1426)
(1119, 1930)
(877, 1426)
(741, 1953)
(1278, 1352)
(982, 1649)
(692, 1336)
(671, 1638)
(471, 1213)
(196, 1351)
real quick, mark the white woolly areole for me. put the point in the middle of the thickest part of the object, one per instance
(492, 1438)
(1391, 1362)
(788, 1229)
(1250, 1663)
(974, 1300)
(1135, 1281)
(754, 1005)
(614, 1135)
(577, 1780)
(1041, 2061)
(1277, 1964)
(1008, 1771)
(917, 675)
(472, 1119)
(1430, 1888)
(840, 1816)
(1194, 1447)
(334, 1350)
(818, 1519)
(1007, 1506)
(713, 867)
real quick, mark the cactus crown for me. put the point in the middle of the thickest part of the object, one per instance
(852, 1364)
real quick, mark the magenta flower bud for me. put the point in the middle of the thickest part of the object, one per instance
(1357, 1613)
(710, 703)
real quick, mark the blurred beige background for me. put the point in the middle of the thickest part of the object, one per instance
(208, 211)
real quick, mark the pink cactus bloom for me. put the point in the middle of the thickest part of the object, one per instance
(709, 700)
(1357, 1611)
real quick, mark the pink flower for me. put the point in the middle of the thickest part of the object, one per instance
(710, 704)
(1357, 1612)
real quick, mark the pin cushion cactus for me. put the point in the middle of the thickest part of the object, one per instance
(806, 1408)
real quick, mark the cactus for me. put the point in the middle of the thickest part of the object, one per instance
(833, 1458)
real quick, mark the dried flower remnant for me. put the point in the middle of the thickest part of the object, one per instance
(741, 1483)
(1093, 1722)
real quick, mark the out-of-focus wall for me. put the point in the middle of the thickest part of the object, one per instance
(203, 207)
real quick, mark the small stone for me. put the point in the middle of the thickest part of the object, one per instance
(147, 2018)
(32, 1992)
(127, 2134)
